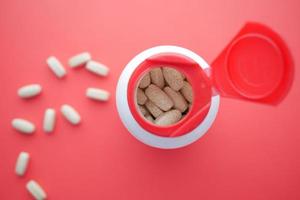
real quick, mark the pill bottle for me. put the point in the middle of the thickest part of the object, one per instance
(255, 66)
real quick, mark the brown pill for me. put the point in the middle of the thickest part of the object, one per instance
(140, 96)
(157, 77)
(149, 118)
(153, 109)
(168, 118)
(145, 81)
(183, 76)
(187, 91)
(143, 110)
(177, 98)
(173, 78)
(159, 97)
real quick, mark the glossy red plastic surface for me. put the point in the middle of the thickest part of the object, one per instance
(256, 65)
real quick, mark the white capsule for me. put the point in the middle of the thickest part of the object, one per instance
(97, 94)
(79, 59)
(70, 114)
(49, 120)
(97, 68)
(56, 66)
(36, 190)
(23, 126)
(29, 91)
(22, 163)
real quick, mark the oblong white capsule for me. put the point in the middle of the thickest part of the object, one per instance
(79, 59)
(70, 114)
(97, 94)
(97, 68)
(22, 163)
(36, 190)
(23, 126)
(56, 66)
(49, 120)
(29, 91)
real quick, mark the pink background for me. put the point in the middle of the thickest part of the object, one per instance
(251, 152)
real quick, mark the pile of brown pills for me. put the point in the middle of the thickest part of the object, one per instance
(164, 96)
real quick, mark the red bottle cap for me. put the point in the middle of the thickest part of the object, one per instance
(256, 65)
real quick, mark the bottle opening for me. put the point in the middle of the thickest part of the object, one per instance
(155, 80)
(163, 96)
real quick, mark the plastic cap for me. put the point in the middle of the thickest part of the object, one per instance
(256, 65)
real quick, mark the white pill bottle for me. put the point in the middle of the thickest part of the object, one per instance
(255, 66)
